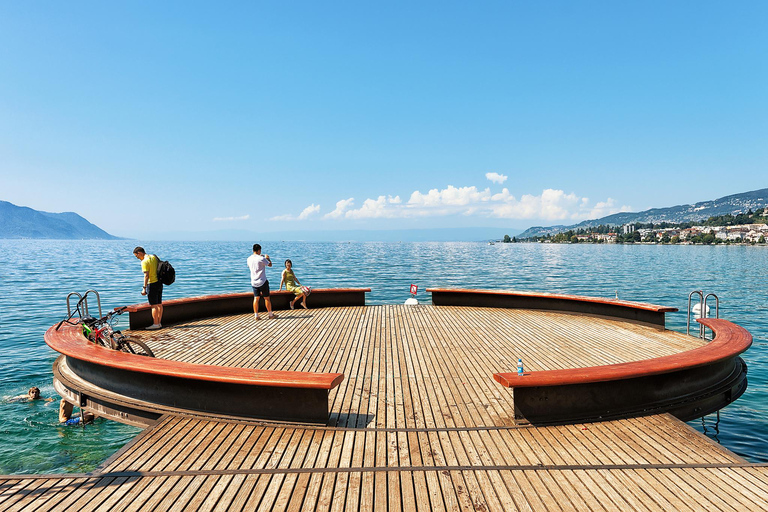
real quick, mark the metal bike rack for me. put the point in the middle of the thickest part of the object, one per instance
(702, 310)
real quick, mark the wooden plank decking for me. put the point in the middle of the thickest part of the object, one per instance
(650, 463)
(415, 367)
(417, 424)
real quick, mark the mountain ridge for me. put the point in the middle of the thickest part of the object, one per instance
(731, 204)
(18, 222)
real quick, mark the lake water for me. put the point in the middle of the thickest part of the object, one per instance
(37, 275)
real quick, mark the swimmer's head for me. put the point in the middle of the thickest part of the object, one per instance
(34, 393)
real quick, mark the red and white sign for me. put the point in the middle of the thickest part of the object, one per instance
(414, 289)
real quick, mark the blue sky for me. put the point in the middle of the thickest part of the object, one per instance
(150, 117)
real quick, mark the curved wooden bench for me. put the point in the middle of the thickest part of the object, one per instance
(188, 308)
(240, 392)
(689, 384)
(638, 311)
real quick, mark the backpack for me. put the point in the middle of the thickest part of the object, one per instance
(166, 274)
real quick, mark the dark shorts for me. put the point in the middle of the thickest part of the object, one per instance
(262, 290)
(155, 293)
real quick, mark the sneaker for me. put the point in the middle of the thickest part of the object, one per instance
(272, 315)
(256, 316)
(154, 327)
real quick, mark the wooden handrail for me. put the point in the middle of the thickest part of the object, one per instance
(730, 341)
(69, 340)
(575, 298)
(210, 298)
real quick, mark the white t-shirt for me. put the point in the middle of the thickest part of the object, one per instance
(257, 263)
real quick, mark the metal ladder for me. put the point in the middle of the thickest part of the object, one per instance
(702, 311)
(84, 300)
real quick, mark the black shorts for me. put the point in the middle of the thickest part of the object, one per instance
(155, 293)
(262, 290)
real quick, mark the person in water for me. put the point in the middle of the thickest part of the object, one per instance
(32, 394)
(259, 282)
(293, 285)
(65, 414)
(153, 287)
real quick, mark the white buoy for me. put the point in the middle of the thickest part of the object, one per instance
(696, 310)
(413, 301)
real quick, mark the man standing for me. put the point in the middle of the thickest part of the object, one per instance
(153, 287)
(258, 264)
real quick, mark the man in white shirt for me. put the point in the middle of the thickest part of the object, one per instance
(258, 264)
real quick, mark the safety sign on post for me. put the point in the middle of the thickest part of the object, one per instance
(414, 289)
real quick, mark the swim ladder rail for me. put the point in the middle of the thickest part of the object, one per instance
(83, 299)
(703, 311)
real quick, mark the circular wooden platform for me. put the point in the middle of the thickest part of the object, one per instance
(417, 366)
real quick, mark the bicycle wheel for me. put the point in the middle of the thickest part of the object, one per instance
(136, 347)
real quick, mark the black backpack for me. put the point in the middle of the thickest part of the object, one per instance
(166, 274)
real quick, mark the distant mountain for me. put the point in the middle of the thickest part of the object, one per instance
(477, 234)
(23, 222)
(734, 204)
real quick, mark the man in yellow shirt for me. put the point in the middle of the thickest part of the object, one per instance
(153, 287)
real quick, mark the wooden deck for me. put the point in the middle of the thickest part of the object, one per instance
(650, 463)
(415, 367)
(417, 424)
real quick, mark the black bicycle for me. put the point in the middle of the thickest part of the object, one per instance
(101, 331)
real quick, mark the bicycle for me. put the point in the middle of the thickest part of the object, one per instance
(101, 331)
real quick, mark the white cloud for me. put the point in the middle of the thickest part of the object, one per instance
(551, 204)
(227, 219)
(376, 208)
(496, 177)
(450, 196)
(605, 208)
(309, 211)
(341, 207)
(284, 217)
(304, 215)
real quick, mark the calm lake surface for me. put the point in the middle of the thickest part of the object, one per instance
(37, 275)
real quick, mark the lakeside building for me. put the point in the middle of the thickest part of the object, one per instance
(743, 233)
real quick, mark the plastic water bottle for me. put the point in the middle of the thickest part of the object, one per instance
(520, 367)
